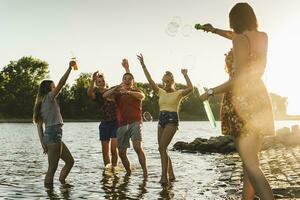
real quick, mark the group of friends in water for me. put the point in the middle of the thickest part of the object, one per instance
(246, 112)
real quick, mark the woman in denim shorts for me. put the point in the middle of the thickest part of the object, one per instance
(46, 111)
(169, 102)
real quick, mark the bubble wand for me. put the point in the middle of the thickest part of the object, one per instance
(198, 27)
(207, 108)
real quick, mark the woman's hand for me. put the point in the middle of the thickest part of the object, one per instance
(125, 64)
(184, 72)
(95, 76)
(72, 63)
(122, 89)
(141, 59)
(208, 28)
(45, 150)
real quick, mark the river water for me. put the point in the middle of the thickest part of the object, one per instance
(23, 165)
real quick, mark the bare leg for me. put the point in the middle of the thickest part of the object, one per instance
(105, 152)
(124, 159)
(248, 190)
(170, 170)
(137, 145)
(165, 139)
(69, 162)
(114, 152)
(53, 158)
(247, 147)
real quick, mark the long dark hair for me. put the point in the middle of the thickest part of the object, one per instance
(242, 18)
(44, 89)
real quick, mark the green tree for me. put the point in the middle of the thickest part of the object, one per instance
(19, 82)
(82, 106)
(150, 103)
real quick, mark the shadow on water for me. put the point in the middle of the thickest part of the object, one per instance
(116, 187)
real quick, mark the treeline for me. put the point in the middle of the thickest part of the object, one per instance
(19, 82)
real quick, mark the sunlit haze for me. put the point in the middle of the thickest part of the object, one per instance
(101, 33)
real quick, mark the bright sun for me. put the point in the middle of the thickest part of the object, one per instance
(283, 69)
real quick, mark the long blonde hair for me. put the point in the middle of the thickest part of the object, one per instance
(44, 89)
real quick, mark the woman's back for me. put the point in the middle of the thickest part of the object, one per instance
(250, 53)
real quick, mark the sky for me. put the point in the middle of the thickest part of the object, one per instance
(101, 33)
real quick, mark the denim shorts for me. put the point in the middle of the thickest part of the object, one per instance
(131, 131)
(108, 130)
(166, 117)
(52, 134)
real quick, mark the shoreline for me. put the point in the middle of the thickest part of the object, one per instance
(279, 164)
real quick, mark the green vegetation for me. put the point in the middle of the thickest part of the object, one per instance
(19, 82)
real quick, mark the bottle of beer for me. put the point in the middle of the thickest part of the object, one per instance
(75, 67)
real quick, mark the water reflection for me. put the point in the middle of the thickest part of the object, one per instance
(116, 187)
(167, 191)
(65, 190)
(23, 166)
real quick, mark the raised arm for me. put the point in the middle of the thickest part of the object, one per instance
(111, 91)
(125, 65)
(189, 84)
(41, 134)
(63, 79)
(90, 91)
(224, 33)
(137, 94)
(147, 74)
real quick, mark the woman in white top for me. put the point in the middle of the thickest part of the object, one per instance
(169, 102)
(46, 111)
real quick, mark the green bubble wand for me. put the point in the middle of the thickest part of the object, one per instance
(207, 108)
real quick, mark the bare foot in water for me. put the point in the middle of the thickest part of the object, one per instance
(145, 174)
(48, 185)
(163, 181)
(172, 178)
(62, 181)
(128, 173)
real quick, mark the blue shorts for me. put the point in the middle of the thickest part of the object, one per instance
(107, 130)
(166, 117)
(52, 134)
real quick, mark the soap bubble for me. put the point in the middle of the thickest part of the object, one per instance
(173, 26)
(186, 30)
(147, 116)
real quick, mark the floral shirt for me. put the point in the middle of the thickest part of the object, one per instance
(108, 109)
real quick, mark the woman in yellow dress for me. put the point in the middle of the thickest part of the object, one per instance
(246, 111)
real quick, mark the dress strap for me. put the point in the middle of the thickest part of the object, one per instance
(249, 43)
